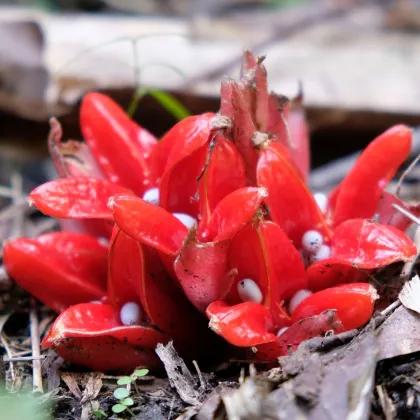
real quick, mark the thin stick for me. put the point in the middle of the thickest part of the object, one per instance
(391, 307)
(407, 213)
(404, 175)
(36, 351)
(200, 375)
(10, 355)
(22, 359)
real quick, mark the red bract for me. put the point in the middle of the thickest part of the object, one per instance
(230, 228)
(123, 150)
(60, 269)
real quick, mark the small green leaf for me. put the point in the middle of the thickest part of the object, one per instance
(99, 414)
(118, 408)
(121, 393)
(141, 372)
(125, 380)
(127, 402)
(170, 103)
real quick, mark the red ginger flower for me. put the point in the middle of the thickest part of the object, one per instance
(245, 271)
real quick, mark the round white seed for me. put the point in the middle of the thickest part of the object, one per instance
(322, 253)
(312, 240)
(249, 291)
(281, 331)
(187, 220)
(152, 196)
(297, 298)
(130, 313)
(322, 201)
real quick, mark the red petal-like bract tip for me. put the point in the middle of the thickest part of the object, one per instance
(149, 224)
(291, 204)
(244, 325)
(91, 334)
(71, 158)
(361, 189)
(305, 329)
(76, 198)
(353, 302)
(126, 269)
(235, 106)
(369, 245)
(233, 213)
(266, 255)
(202, 271)
(65, 268)
(299, 136)
(277, 121)
(124, 150)
(249, 62)
(185, 163)
(360, 245)
(224, 174)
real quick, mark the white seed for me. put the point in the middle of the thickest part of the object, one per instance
(187, 220)
(281, 331)
(322, 253)
(297, 298)
(130, 313)
(312, 240)
(322, 201)
(152, 196)
(249, 291)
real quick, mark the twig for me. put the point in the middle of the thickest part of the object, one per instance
(5, 344)
(36, 351)
(391, 308)
(404, 175)
(200, 375)
(22, 359)
(407, 213)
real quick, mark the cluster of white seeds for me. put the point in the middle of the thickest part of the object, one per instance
(313, 248)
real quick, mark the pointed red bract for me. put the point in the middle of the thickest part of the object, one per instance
(359, 245)
(370, 245)
(290, 202)
(149, 224)
(58, 279)
(185, 163)
(299, 136)
(305, 329)
(99, 320)
(354, 304)
(218, 179)
(126, 269)
(361, 189)
(243, 325)
(202, 271)
(266, 255)
(233, 213)
(71, 158)
(76, 198)
(124, 150)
